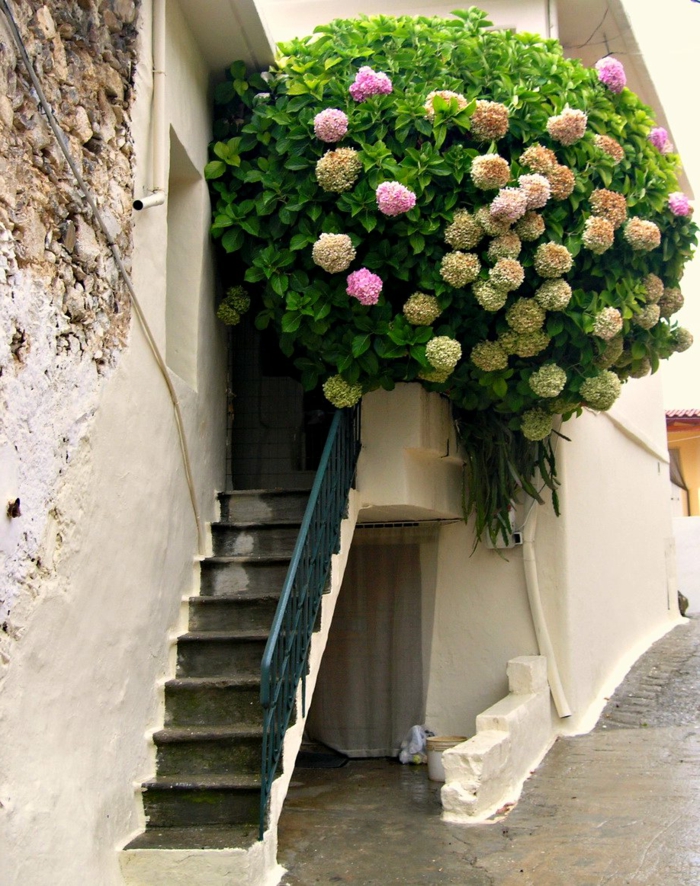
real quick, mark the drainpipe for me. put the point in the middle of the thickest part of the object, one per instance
(158, 122)
(544, 641)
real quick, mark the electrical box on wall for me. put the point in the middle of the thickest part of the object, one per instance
(514, 539)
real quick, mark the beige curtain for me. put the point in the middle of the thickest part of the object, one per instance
(370, 687)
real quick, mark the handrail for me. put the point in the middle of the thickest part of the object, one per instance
(285, 660)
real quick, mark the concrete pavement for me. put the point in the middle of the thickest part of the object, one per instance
(618, 806)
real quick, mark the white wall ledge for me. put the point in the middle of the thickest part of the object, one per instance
(512, 736)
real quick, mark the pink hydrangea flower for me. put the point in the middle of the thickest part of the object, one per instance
(659, 138)
(393, 198)
(364, 286)
(679, 204)
(330, 125)
(368, 82)
(611, 73)
(509, 205)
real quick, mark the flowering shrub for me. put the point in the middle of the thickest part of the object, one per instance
(235, 303)
(394, 199)
(330, 125)
(506, 216)
(364, 286)
(612, 73)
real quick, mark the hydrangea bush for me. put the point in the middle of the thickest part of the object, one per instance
(424, 199)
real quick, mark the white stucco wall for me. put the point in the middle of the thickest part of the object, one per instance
(481, 620)
(605, 565)
(296, 18)
(617, 537)
(80, 692)
(686, 531)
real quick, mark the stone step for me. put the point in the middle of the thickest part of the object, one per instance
(226, 576)
(208, 750)
(255, 539)
(234, 837)
(245, 611)
(202, 801)
(263, 505)
(216, 701)
(220, 653)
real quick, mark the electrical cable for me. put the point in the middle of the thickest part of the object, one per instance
(150, 339)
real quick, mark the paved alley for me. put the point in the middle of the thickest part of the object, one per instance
(617, 806)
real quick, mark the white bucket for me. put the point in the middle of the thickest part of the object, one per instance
(436, 745)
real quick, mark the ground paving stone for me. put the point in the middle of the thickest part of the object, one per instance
(615, 807)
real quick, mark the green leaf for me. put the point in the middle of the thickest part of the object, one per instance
(224, 92)
(500, 388)
(238, 70)
(280, 284)
(417, 241)
(360, 344)
(297, 163)
(214, 169)
(440, 135)
(291, 322)
(555, 324)
(262, 321)
(254, 275)
(299, 241)
(368, 221)
(298, 88)
(233, 240)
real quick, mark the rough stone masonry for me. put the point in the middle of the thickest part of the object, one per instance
(64, 312)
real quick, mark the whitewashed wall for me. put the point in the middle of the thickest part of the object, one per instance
(295, 18)
(80, 694)
(686, 531)
(605, 565)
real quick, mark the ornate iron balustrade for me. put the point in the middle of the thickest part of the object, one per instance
(285, 660)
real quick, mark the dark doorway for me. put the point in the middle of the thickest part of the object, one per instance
(277, 430)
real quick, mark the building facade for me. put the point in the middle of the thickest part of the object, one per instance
(113, 438)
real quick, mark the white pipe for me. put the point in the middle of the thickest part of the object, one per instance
(158, 121)
(155, 199)
(544, 641)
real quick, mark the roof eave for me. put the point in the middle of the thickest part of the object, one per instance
(228, 30)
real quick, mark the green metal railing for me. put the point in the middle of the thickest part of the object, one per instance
(285, 660)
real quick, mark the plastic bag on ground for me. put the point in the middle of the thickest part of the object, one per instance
(413, 747)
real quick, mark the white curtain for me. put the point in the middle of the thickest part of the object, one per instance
(370, 687)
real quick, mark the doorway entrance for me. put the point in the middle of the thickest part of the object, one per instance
(371, 686)
(277, 431)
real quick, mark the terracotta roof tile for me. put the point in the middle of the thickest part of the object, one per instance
(683, 413)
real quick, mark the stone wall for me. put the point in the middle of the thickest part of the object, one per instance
(64, 311)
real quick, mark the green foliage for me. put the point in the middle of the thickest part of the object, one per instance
(492, 449)
(270, 210)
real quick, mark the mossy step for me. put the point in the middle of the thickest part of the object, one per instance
(204, 733)
(213, 701)
(220, 653)
(206, 750)
(202, 800)
(257, 524)
(189, 782)
(263, 504)
(225, 576)
(236, 837)
(254, 539)
(243, 611)
(235, 635)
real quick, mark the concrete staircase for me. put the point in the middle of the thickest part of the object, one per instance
(206, 792)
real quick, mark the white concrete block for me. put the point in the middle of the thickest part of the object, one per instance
(512, 736)
(526, 674)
